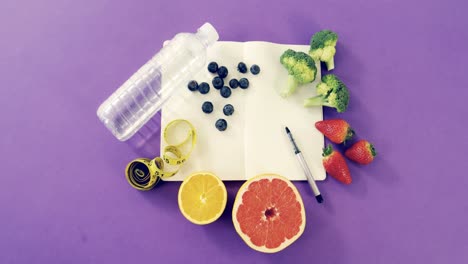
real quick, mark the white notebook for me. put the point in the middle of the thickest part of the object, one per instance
(255, 141)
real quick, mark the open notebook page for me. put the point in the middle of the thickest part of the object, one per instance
(221, 153)
(255, 141)
(267, 148)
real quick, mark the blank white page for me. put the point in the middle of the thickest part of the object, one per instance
(267, 148)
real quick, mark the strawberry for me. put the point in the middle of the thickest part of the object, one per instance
(336, 130)
(361, 152)
(335, 165)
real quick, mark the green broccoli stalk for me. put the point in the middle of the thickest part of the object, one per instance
(322, 47)
(331, 92)
(301, 70)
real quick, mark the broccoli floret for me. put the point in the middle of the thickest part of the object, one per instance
(301, 70)
(322, 47)
(331, 92)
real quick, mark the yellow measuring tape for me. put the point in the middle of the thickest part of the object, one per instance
(143, 174)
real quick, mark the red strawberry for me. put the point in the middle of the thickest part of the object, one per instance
(336, 130)
(361, 152)
(335, 165)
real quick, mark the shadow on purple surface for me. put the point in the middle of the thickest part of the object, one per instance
(163, 196)
(379, 170)
(388, 176)
(364, 123)
(321, 239)
(347, 64)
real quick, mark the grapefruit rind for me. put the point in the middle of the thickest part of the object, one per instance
(238, 202)
(224, 201)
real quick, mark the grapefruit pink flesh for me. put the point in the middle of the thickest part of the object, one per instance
(268, 213)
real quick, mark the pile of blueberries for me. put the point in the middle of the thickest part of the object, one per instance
(225, 91)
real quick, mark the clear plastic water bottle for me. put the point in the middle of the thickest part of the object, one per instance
(137, 101)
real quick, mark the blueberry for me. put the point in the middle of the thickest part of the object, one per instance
(255, 69)
(225, 92)
(228, 109)
(207, 107)
(244, 83)
(213, 67)
(234, 83)
(222, 72)
(192, 86)
(217, 82)
(241, 67)
(221, 124)
(204, 88)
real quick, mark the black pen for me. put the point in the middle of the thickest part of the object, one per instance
(305, 167)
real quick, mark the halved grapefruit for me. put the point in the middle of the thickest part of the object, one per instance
(268, 213)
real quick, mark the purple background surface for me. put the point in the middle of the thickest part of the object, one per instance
(63, 197)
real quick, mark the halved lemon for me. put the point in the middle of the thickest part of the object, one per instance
(202, 198)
